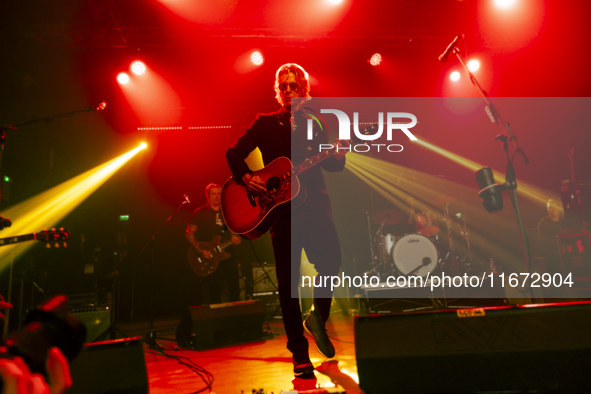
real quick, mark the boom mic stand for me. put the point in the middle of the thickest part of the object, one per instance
(99, 107)
(511, 179)
(151, 337)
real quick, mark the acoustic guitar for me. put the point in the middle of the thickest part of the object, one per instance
(252, 215)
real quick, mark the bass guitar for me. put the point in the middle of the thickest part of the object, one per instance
(207, 266)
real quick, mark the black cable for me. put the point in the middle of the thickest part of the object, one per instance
(205, 375)
(340, 340)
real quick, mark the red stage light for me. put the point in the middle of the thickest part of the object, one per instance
(505, 3)
(123, 78)
(257, 58)
(376, 59)
(454, 76)
(138, 67)
(473, 65)
(335, 2)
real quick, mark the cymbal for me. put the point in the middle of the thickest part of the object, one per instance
(388, 217)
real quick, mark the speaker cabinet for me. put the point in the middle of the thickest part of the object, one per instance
(541, 347)
(218, 325)
(115, 367)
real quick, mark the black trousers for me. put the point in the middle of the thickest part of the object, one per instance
(227, 271)
(313, 231)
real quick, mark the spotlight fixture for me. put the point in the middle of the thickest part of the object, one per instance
(123, 78)
(490, 191)
(138, 67)
(473, 65)
(505, 3)
(454, 76)
(375, 60)
(257, 58)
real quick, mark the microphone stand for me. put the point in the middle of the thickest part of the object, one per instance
(510, 177)
(99, 107)
(151, 337)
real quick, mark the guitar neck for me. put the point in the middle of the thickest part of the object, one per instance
(17, 239)
(226, 244)
(311, 162)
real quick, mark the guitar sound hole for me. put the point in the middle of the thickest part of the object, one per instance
(273, 184)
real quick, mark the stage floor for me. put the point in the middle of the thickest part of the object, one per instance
(259, 365)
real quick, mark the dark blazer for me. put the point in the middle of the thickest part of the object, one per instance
(271, 133)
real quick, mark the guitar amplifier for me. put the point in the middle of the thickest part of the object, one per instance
(96, 319)
(575, 253)
(265, 279)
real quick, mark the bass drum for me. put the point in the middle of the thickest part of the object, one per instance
(415, 254)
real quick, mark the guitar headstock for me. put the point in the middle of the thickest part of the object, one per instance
(54, 236)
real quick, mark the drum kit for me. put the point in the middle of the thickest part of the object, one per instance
(425, 242)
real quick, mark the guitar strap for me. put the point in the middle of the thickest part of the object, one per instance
(283, 119)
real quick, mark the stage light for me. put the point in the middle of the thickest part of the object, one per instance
(47, 209)
(490, 191)
(473, 65)
(143, 145)
(454, 76)
(505, 3)
(335, 2)
(257, 58)
(138, 67)
(123, 78)
(375, 60)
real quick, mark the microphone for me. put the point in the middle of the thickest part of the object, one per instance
(450, 47)
(186, 199)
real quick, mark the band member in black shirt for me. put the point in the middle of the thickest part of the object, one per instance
(207, 223)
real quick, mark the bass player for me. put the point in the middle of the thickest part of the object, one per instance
(207, 223)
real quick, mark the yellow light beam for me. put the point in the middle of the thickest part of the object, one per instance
(528, 190)
(47, 209)
(398, 184)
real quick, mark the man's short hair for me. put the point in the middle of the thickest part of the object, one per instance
(302, 78)
(556, 204)
(209, 187)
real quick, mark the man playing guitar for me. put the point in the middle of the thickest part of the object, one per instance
(309, 227)
(207, 223)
